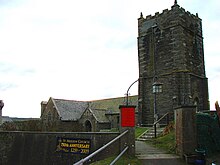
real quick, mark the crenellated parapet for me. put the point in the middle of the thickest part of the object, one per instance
(176, 16)
(165, 12)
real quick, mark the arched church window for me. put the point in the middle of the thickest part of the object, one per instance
(88, 126)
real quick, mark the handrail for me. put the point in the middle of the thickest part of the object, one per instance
(118, 157)
(161, 118)
(155, 123)
(100, 149)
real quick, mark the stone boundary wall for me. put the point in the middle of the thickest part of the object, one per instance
(25, 148)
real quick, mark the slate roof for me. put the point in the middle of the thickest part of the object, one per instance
(112, 104)
(6, 119)
(70, 109)
(13, 119)
(99, 115)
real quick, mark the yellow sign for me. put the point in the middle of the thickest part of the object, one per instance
(76, 146)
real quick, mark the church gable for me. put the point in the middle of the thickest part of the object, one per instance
(49, 112)
(100, 115)
(70, 110)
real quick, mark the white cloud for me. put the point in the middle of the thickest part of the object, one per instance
(81, 50)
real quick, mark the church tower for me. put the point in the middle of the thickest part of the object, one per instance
(170, 54)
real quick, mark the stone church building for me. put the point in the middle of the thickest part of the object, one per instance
(171, 58)
(171, 74)
(82, 116)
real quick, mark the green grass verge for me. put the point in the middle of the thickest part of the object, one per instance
(110, 130)
(139, 131)
(121, 161)
(166, 142)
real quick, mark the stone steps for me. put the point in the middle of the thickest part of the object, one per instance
(149, 134)
(164, 159)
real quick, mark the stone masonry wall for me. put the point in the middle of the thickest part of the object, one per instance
(185, 127)
(25, 148)
(170, 51)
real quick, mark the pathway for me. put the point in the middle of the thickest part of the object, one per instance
(150, 155)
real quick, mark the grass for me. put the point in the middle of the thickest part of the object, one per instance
(110, 130)
(121, 161)
(166, 142)
(139, 131)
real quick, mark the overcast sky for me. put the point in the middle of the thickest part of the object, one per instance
(83, 50)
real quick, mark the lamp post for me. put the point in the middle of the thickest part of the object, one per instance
(127, 122)
(157, 88)
(128, 91)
